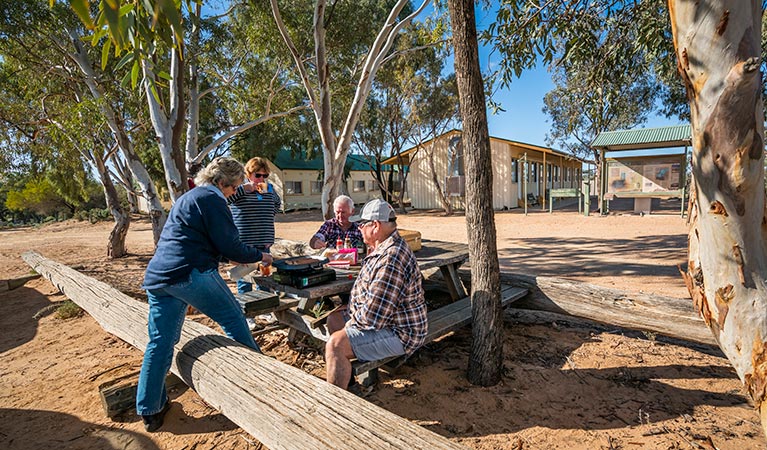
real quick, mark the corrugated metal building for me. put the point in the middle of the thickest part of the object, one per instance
(545, 168)
(298, 180)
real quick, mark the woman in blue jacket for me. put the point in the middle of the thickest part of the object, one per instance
(198, 234)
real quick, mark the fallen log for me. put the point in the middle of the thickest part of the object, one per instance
(668, 316)
(280, 405)
(15, 283)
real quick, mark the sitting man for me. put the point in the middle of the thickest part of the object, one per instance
(387, 312)
(339, 227)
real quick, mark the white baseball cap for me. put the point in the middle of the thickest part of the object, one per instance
(376, 209)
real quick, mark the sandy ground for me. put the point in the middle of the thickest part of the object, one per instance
(567, 384)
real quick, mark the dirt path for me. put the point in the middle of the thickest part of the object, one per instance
(567, 383)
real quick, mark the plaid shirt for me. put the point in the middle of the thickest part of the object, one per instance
(388, 294)
(330, 231)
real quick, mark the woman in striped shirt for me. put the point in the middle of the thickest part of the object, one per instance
(253, 206)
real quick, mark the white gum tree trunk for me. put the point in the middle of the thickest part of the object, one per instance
(335, 148)
(167, 123)
(718, 50)
(117, 127)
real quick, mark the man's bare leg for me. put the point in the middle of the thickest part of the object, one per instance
(338, 355)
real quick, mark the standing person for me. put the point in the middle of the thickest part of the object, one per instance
(199, 232)
(339, 227)
(253, 206)
(386, 315)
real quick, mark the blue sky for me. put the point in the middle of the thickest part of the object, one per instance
(523, 119)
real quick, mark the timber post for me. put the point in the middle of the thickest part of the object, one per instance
(280, 405)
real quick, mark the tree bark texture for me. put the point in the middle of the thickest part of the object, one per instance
(486, 359)
(280, 405)
(718, 50)
(116, 246)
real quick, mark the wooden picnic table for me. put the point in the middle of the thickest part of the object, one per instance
(447, 256)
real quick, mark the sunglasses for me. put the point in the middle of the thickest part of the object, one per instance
(261, 175)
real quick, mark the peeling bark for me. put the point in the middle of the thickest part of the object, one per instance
(717, 44)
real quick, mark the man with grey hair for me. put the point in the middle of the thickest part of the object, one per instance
(386, 315)
(339, 227)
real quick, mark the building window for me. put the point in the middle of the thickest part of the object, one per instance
(372, 185)
(293, 188)
(556, 173)
(316, 187)
(358, 186)
(514, 170)
(548, 172)
(534, 172)
(567, 174)
(455, 157)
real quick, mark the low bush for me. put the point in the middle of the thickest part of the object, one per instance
(68, 310)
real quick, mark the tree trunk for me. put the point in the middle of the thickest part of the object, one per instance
(117, 127)
(116, 246)
(718, 49)
(280, 405)
(486, 360)
(167, 126)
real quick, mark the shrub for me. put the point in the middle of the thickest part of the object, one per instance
(68, 310)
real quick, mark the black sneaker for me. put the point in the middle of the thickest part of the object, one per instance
(153, 422)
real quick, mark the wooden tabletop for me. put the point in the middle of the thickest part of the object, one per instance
(432, 254)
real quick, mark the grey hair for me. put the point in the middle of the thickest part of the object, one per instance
(222, 170)
(344, 199)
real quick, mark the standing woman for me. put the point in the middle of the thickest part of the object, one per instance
(199, 232)
(254, 205)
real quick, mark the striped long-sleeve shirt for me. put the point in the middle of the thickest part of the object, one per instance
(388, 293)
(253, 214)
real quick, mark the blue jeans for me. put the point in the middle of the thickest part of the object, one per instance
(207, 292)
(244, 286)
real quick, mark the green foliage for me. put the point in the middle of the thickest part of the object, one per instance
(37, 195)
(68, 310)
(599, 40)
(93, 215)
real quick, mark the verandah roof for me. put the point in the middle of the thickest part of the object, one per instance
(646, 138)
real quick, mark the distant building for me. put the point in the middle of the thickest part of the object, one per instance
(545, 168)
(299, 180)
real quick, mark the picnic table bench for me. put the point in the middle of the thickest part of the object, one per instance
(446, 256)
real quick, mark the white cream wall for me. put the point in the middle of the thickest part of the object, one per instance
(506, 194)
(504, 191)
(423, 193)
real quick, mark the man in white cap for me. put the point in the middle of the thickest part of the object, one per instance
(386, 315)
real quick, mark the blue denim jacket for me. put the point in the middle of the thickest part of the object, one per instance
(199, 232)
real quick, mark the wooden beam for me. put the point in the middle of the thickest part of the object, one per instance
(446, 319)
(280, 405)
(668, 316)
(14, 283)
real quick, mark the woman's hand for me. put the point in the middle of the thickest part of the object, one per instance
(249, 186)
(266, 259)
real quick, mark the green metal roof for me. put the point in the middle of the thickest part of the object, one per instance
(673, 136)
(285, 160)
